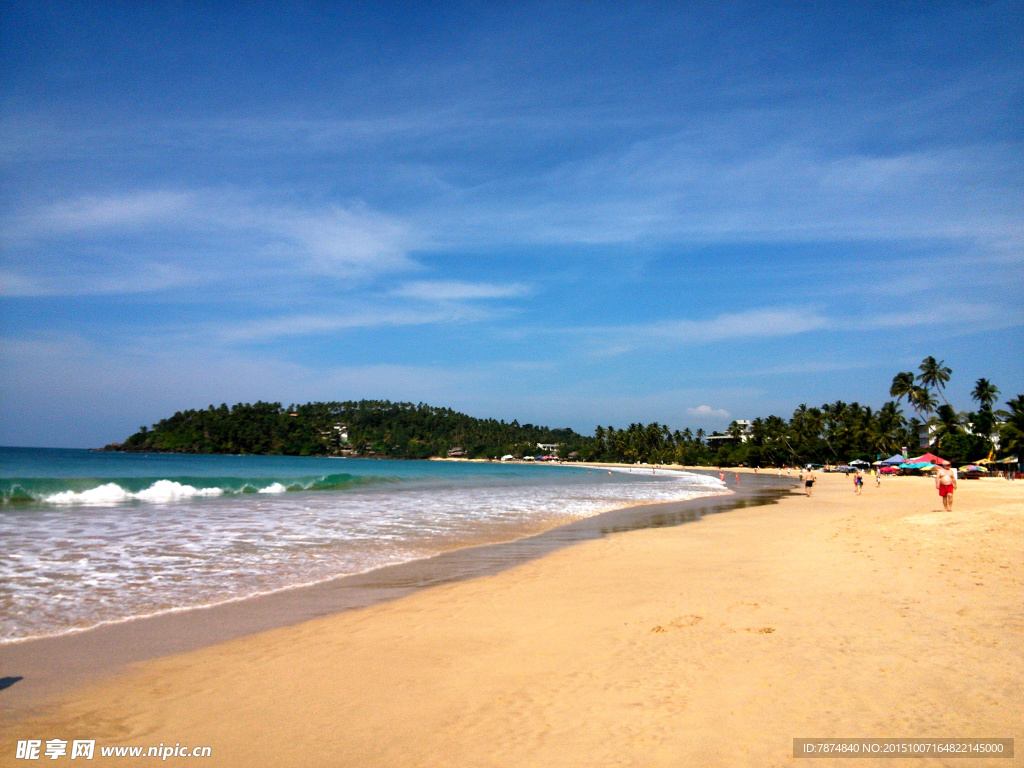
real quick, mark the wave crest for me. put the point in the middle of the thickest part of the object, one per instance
(164, 489)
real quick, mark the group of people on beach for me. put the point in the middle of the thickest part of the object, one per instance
(945, 482)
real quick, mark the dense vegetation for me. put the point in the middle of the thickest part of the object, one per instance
(833, 433)
(367, 428)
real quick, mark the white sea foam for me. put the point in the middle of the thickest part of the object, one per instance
(117, 559)
(112, 493)
(273, 488)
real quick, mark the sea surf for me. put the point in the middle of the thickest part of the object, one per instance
(92, 538)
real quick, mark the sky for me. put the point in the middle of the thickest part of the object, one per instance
(566, 214)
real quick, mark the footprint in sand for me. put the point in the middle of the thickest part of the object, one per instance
(680, 623)
(744, 607)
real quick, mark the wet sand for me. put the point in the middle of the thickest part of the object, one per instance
(711, 643)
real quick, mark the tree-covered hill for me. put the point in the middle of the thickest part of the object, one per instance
(834, 433)
(365, 428)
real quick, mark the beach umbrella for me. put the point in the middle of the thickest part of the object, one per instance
(929, 457)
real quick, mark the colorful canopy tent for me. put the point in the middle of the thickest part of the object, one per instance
(893, 461)
(929, 457)
(917, 465)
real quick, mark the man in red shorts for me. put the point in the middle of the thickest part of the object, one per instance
(945, 481)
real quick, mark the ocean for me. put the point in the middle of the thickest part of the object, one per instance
(91, 538)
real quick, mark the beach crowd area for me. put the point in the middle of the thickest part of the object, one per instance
(714, 643)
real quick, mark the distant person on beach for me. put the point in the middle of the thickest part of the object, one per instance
(878, 478)
(858, 482)
(945, 482)
(808, 478)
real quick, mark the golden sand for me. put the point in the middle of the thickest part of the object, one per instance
(712, 643)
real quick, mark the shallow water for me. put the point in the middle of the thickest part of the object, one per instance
(91, 538)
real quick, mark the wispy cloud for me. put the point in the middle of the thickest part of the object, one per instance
(142, 278)
(141, 209)
(313, 325)
(174, 238)
(456, 290)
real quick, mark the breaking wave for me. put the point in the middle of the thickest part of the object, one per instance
(165, 489)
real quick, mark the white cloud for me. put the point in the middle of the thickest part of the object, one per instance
(311, 325)
(706, 412)
(152, 240)
(130, 210)
(340, 242)
(139, 279)
(456, 290)
(755, 323)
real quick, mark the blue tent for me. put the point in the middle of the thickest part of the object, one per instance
(893, 460)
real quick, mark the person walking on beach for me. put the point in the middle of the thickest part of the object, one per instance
(945, 482)
(858, 482)
(878, 478)
(808, 480)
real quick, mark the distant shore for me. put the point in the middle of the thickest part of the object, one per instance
(714, 643)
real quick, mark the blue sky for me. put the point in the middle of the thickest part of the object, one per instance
(568, 214)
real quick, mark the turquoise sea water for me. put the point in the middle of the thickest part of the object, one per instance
(91, 537)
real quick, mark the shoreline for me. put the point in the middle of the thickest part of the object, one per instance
(51, 666)
(716, 644)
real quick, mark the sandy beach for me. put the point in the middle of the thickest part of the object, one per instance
(711, 643)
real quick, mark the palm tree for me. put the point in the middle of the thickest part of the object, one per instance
(1012, 434)
(946, 422)
(902, 385)
(985, 392)
(934, 374)
(888, 422)
(700, 435)
(921, 400)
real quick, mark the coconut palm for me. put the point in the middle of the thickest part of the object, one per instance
(985, 393)
(1011, 436)
(888, 423)
(921, 400)
(945, 422)
(902, 385)
(934, 374)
